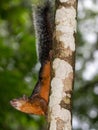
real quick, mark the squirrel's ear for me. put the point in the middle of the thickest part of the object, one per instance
(36, 105)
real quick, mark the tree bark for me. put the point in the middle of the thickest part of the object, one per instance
(60, 104)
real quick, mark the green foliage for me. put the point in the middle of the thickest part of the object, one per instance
(17, 59)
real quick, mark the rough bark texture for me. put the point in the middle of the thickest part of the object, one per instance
(59, 114)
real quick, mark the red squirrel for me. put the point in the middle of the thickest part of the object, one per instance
(38, 101)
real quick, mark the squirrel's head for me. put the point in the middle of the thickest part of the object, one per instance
(35, 105)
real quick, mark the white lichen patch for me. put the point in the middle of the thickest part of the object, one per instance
(68, 1)
(56, 85)
(66, 24)
(69, 41)
(62, 70)
(63, 1)
(53, 125)
(71, 1)
(61, 66)
(66, 16)
(57, 89)
(61, 113)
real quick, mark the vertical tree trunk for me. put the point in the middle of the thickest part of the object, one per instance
(60, 104)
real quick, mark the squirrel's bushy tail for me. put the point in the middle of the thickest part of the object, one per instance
(43, 23)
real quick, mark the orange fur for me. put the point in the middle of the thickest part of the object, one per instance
(37, 103)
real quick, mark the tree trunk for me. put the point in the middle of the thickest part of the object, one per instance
(60, 104)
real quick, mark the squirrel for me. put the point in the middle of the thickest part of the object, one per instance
(43, 22)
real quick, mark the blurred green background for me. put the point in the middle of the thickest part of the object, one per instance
(18, 71)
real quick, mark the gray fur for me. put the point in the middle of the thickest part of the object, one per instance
(43, 23)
